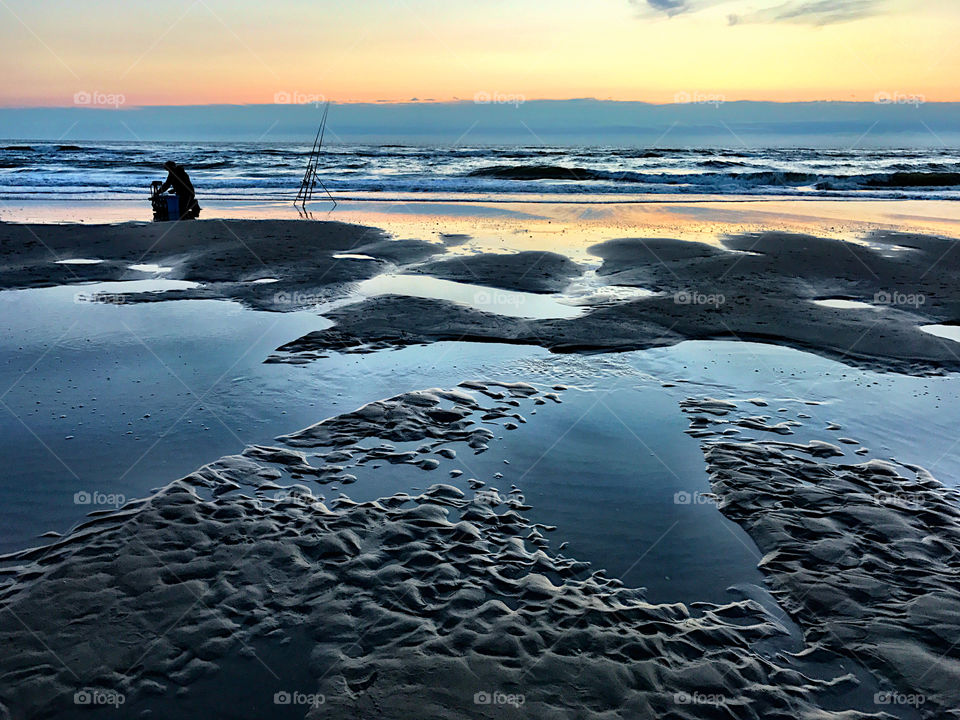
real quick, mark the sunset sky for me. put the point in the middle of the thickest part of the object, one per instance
(179, 52)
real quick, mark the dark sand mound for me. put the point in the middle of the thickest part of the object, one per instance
(388, 321)
(761, 287)
(397, 321)
(529, 271)
(865, 557)
(433, 605)
(792, 266)
(225, 255)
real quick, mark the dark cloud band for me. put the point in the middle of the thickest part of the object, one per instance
(808, 12)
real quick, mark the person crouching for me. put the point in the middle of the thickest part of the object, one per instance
(178, 179)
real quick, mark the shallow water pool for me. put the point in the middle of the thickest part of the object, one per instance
(479, 297)
(114, 400)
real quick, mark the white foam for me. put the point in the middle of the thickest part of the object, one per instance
(948, 332)
(591, 289)
(608, 294)
(842, 304)
(79, 261)
(150, 268)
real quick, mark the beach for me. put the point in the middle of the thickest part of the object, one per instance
(480, 361)
(684, 458)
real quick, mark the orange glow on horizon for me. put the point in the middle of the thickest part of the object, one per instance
(219, 52)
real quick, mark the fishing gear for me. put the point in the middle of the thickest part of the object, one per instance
(310, 178)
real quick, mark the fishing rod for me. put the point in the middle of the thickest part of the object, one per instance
(311, 178)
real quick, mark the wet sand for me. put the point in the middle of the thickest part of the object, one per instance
(425, 601)
(864, 556)
(231, 259)
(433, 604)
(763, 286)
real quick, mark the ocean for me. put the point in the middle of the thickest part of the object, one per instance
(272, 171)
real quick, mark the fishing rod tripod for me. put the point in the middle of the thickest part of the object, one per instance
(310, 178)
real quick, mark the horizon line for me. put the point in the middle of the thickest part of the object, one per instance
(515, 99)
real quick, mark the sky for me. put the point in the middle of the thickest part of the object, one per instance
(63, 53)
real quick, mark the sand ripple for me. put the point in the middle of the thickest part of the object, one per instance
(442, 604)
(865, 557)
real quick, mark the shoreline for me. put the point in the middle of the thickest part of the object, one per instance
(572, 198)
(854, 213)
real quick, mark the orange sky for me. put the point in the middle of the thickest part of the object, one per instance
(215, 51)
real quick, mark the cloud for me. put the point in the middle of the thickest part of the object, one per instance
(811, 12)
(670, 7)
(667, 7)
(803, 12)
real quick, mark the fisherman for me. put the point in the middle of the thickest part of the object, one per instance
(178, 179)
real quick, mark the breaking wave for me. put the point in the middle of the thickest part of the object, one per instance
(274, 170)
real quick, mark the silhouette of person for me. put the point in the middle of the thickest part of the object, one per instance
(178, 179)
